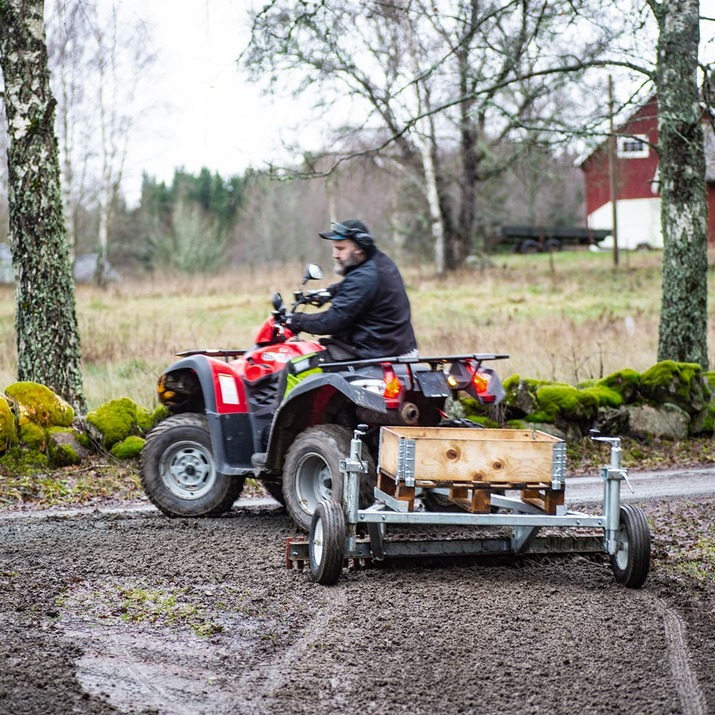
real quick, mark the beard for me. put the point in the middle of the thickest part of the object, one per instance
(339, 267)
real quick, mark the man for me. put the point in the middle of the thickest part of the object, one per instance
(370, 312)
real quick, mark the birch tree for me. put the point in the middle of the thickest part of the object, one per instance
(477, 72)
(683, 318)
(48, 346)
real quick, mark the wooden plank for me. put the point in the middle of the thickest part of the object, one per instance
(472, 455)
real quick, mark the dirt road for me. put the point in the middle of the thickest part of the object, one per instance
(137, 613)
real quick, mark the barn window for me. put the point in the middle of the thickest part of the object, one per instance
(633, 147)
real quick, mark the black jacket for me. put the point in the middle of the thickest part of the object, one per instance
(370, 311)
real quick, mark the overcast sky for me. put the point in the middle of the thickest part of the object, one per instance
(203, 112)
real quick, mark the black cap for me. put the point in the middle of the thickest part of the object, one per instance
(351, 228)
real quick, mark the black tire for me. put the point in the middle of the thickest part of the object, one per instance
(275, 489)
(179, 473)
(529, 246)
(553, 245)
(631, 562)
(326, 543)
(312, 473)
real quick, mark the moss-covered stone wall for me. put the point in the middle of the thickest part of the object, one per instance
(38, 426)
(670, 400)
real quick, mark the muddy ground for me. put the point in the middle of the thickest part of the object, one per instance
(134, 612)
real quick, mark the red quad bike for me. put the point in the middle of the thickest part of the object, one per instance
(284, 411)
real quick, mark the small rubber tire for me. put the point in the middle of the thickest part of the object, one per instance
(326, 543)
(178, 470)
(631, 562)
(311, 472)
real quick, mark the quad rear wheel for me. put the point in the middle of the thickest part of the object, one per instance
(179, 472)
(311, 472)
(631, 562)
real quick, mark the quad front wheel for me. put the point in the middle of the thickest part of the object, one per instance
(326, 544)
(311, 472)
(179, 473)
(631, 562)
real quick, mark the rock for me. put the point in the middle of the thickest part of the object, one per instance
(666, 421)
(8, 426)
(612, 421)
(40, 405)
(64, 447)
(678, 383)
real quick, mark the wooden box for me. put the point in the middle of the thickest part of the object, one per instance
(475, 457)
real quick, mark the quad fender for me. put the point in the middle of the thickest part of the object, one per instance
(305, 405)
(209, 386)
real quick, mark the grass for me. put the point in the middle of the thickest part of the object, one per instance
(568, 316)
(98, 479)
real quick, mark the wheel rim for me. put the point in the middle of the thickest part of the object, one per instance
(313, 481)
(622, 553)
(188, 470)
(318, 541)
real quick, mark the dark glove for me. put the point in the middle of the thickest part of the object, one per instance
(319, 297)
(292, 321)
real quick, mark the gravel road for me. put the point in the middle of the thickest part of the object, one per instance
(134, 612)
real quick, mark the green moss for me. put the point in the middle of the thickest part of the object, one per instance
(567, 402)
(604, 395)
(710, 379)
(61, 453)
(8, 427)
(115, 420)
(678, 382)
(625, 382)
(516, 424)
(21, 461)
(33, 436)
(42, 406)
(128, 448)
(511, 382)
(85, 441)
(160, 413)
(539, 417)
(145, 419)
(483, 421)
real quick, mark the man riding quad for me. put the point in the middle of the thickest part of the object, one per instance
(369, 315)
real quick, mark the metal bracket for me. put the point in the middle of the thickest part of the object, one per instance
(406, 449)
(558, 467)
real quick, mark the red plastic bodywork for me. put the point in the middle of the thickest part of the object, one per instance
(229, 377)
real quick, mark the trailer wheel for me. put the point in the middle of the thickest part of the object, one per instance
(326, 543)
(179, 473)
(312, 473)
(631, 562)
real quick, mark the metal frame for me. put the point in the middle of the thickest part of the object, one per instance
(525, 523)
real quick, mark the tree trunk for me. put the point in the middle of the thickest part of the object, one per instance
(683, 318)
(48, 348)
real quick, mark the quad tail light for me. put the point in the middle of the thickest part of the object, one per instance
(393, 387)
(481, 385)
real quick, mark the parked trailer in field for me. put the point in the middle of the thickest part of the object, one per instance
(542, 239)
(476, 468)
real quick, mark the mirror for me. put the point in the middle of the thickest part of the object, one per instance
(277, 301)
(313, 272)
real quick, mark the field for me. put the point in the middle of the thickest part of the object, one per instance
(567, 316)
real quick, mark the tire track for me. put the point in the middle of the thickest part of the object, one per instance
(687, 686)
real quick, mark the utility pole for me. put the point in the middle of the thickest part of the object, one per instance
(612, 181)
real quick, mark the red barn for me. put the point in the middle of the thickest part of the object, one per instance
(637, 188)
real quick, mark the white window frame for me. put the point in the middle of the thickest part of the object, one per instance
(623, 152)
